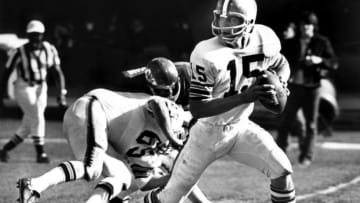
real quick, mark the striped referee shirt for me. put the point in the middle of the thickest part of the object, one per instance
(32, 65)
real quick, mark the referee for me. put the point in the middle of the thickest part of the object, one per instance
(31, 63)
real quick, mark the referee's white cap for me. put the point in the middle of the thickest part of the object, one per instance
(35, 26)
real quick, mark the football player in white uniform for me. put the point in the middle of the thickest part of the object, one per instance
(222, 96)
(137, 128)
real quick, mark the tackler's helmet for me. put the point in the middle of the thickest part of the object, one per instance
(233, 21)
(163, 78)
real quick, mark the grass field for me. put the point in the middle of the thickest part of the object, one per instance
(332, 178)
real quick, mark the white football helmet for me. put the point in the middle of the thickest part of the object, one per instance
(233, 21)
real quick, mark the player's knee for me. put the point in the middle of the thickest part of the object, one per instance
(283, 189)
(283, 165)
(92, 172)
(93, 161)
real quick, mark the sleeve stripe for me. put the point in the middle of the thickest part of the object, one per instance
(200, 91)
(197, 97)
(193, 83)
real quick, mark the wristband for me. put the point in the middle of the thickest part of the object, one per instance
(63, 92)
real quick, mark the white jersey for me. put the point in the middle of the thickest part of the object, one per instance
(220, 71)
(132, 129)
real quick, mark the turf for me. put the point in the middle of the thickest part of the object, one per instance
(224, 181)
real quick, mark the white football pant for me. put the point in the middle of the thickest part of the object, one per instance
(32, 101)
(245, 142)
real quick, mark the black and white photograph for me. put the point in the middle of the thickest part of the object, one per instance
(203, 101)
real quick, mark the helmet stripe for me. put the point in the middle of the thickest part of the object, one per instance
(225, 7)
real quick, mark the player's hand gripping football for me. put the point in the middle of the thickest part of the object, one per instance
(276, 97)
(257, 92)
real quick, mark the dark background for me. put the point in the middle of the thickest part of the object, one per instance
(126, 34)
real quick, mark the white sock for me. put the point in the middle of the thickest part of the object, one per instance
(51, 178)
(65, 172)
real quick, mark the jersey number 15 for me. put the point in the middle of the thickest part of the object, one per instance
(247, 72)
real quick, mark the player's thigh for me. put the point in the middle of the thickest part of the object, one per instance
(256, 148)
(26, 99)
(75, 131)
(198, 153)
(79, 128)
(41, 98)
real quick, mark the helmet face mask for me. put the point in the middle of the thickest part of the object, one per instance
(170, 92)
(234, 21)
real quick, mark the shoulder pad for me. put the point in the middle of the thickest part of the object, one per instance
(48, 46)
(184, 70)
(266, 39)
(211, 52)
(204, 48)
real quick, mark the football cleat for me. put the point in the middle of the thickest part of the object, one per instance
(305, 163)
(42, 158)
(26, 194)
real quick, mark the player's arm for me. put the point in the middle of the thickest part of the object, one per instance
(161, 113)
(4, 78)
(60, 81)
(59, 78)
(156, 182)
(10, 65)
(329, 60)
(202, 104)
(60, 84)
(207, 108)
(281, 66)
(184, 70)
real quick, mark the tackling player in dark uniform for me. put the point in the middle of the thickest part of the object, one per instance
(136, 80)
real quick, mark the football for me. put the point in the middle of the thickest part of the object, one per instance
(270, 77)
